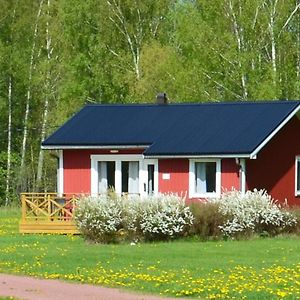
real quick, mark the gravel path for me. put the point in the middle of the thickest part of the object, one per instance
(30, 288)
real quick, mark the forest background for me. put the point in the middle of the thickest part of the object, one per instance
(57, 55)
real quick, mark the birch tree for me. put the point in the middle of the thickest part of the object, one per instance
(135, 22)
(240, 39)
(29, 88)
(49, 50)
(9, 132)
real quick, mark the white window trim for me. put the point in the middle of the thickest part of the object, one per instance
(297, 159)
(60, 173)
(192, 193)
(118, 158)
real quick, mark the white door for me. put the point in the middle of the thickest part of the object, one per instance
(151, 178)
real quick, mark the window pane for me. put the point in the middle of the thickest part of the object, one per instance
(102, 177)
(150, 179)
(200, 176)
(133, 180)
(130, 177)
(211, 177)
(111, 168)
(205, 177)
(106, 176)
(298, 175)
(125, 176)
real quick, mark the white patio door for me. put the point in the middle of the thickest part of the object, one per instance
(125, 174)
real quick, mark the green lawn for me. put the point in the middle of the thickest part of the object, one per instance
(254, 269)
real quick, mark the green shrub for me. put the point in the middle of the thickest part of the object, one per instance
(164, 217)
(207, 220)
(114, 219)
(99, 219)
(295, 211)
(253, 212)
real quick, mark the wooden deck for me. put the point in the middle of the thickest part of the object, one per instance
(47, 213)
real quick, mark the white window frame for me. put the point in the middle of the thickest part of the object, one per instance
(143, 175)
(192, 178)
(297, 161)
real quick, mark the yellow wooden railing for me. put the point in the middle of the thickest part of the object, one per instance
(48, 213)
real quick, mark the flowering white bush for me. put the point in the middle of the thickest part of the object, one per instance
(98, 218)
(255, 211)
(165, 216)
(155, 217)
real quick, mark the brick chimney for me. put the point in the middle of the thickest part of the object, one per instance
(162, 98)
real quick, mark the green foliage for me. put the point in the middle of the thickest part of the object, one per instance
(113, 219)
(12, 195)
(128, 51)
(253, 212)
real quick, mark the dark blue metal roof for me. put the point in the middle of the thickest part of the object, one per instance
(175, 129)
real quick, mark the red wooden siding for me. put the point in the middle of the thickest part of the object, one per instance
(77, 168)
(178, 170)
(230, 177)
(274, 168)
(77, 171)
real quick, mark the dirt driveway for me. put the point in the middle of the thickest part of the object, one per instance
(29, 288)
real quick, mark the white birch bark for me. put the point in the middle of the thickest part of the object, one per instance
(298, 58)
(238, 32)
(293, 13)
(8, 167)
(273, 41)
(9, 124)
(134, 40)
(28, 94)
(46, 103)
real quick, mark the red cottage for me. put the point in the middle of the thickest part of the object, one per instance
(197, 150)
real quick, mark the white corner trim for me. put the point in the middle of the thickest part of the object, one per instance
(243, 176)
(60, 173)
(297, 160)
(274, 132)
(94, 178)
(192, 193)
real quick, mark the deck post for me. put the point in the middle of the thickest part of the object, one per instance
(49, 207)
(23, 202)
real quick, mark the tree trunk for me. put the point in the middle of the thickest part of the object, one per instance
(8, 167)
(273, 43)
(46, 103)
(238, 32)
(28, 94)
(9, 123)
(134, 40)
(298, 53)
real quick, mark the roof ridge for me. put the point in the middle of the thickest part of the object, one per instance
(193, 103)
